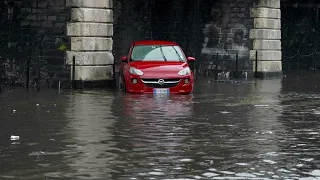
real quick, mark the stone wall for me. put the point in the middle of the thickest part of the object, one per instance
(226, 33)
(266, 36)
(225, 29)
(300, 32)
(27, 26)
(91, 31)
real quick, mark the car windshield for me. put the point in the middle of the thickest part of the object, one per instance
(157, 53)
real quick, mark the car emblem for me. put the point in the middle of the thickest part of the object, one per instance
(161, 81)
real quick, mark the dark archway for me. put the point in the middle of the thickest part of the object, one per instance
(180, 20)
(300, 32)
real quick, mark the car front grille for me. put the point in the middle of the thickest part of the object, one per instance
(167, 83)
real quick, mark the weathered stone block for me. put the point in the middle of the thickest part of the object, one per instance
(268, 3)
(91, 44)
(90, 3)
(90, 58)
(267, 44)
(91, 15)
(46, 24)
(31, 17)
(93, 73)
(266, 55)
(90, 29)
(265, 13)
(265, 23)
(52, 18)
(268, 66)
(265, 34)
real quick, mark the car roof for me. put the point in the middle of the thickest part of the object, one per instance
(155, 42)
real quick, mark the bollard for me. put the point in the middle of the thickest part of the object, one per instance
(216, 76)
(314, 62)
(28, 73)
(38, 76)
(73, 72)
(256, 65)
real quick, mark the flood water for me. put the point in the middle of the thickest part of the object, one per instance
(254, 130)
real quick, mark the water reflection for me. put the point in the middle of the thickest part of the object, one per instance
(266, 127)
(90, 138)
(149, 107)
(256, 130)
(38, 120)
(153, 134)
(301, 101)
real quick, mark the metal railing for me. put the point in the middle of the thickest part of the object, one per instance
(301, 62)
(29, 73)
(220, 67)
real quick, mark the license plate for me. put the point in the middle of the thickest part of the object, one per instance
(161, 91)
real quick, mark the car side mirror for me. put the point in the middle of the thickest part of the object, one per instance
(191, 59)
(123, 58)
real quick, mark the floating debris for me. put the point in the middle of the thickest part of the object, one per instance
(209, 174)
(261, 105)
(224, 112)
(268, 132)
(269, 161)
(15, 138)
(242, 164)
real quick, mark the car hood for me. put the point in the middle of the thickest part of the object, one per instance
(160, 69)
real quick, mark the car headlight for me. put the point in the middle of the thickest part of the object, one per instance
(184, 72)
(135, 71)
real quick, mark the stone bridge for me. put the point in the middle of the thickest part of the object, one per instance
(97, 32)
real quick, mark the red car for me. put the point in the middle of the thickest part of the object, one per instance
(158, 67)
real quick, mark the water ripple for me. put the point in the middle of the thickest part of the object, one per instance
(262, 130)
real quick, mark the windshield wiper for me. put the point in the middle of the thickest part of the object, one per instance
(164, 57)
(180, 59)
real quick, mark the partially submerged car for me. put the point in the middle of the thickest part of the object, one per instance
(158, 67)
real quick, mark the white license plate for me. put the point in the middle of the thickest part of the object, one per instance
(161, 91)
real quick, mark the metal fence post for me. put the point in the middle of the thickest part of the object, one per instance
(298, 62)
(73, 72)
(28, 73)
(1, 70)
(237, 61)
(314, 62)
(38, 76)
(216, 73)
(256, 65)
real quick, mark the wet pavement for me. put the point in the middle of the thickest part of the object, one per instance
(254, 130)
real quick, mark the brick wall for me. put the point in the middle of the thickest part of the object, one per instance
(147, 19)
(31, 24)
(226, 32)
(224, 27)
(300, 31)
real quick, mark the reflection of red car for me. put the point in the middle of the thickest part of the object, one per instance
(156, 67)
(148, 109)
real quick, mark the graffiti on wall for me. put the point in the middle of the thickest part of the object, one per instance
(225, 35)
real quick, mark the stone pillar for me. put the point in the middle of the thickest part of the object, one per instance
(266, 36)
(91, 31)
